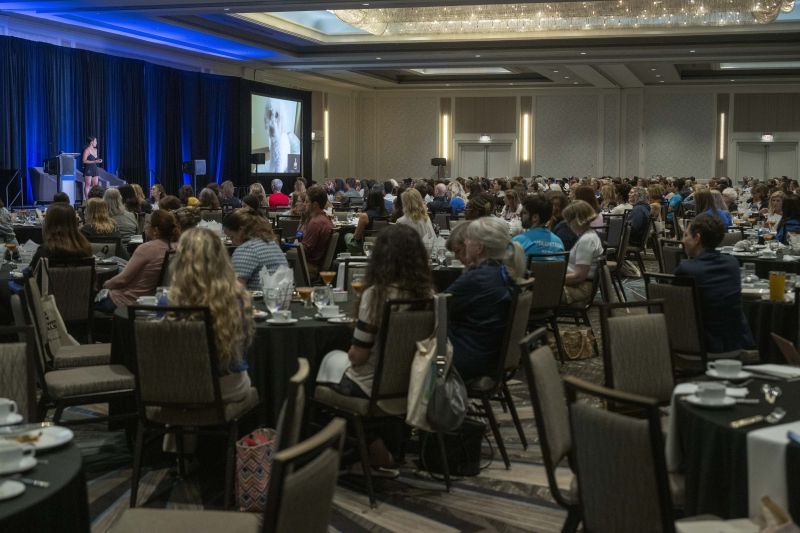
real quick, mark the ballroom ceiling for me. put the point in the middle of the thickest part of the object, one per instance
(305, 36)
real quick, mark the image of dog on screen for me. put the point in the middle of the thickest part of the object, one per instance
(276, 116)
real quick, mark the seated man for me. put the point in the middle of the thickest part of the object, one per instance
(719, 284)
(440, 202)
(317, 230)
(639, 216)
(537, 239)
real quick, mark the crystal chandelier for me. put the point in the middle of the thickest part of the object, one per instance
(563, 16)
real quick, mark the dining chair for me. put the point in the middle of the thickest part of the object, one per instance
(164, 274)
(181, 393)
(788, 350)
(618, 458)
(404, 323)
(670, 256)
(300, 496)
(548, 272)
(107, 247)
(72, 282)
(296, 257)
(684, 318)
(637, 251)
(72, 375)
(495, 385)
(17, 372)
(579, 311)
(620, 253)
(330, 254)
(288, 224)
(552, 419)
(614, 232)
(353, 266)
(214, 215)
(442, 220)
(636, 349)
(731, 237)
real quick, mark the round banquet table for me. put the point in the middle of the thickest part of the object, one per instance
(765, 317)
(715, 455)
(26, 232)
(62, 507)
(764, 266)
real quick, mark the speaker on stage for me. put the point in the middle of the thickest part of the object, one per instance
(258, 159)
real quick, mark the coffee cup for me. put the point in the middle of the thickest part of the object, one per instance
(329, 311)
(283, 316)
(147, 300)
(7, 407)
(711, 392)
(726, 368)
(12, 452)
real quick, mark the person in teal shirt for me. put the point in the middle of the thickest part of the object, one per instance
(537, 239)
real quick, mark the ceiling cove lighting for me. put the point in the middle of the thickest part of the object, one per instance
(326, 135)
(526, 136)
(560, 16)
(762, 65)
(458, 71)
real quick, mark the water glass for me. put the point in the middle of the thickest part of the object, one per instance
(367, 248)
(273, 299)
(441, 255)
(321, 296)
(749, 270)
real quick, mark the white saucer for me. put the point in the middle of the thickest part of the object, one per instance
(50, 437)
(341, 320)
(26, 463)
(726, 402)
(716, 375)
(10, 419)
(260, 315)
(281, 322)
(320, 317)
(10, 489)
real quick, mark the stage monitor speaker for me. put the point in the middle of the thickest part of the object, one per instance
(439, 162)
(258, 158)
(196, 167)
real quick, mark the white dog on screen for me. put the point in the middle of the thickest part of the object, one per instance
(276, 112)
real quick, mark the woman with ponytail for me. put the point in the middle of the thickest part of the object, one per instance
(480, 298)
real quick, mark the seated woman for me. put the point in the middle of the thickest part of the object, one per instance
(480, 297)
(557, 224)
(775, 209)
(256, 247)
(202, 261)
(209, 200)
(583, 255)
(398, 269)
(586, 193)
(126, 221)
(373, 209)
(141, 274)
(704, 202)
(61, 238)
(100, 224)
(790, 221)
(415, 214)
(144, 205)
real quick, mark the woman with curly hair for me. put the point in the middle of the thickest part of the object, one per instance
(257, 190)
(201, 261)
(398, 269)
(256, 247)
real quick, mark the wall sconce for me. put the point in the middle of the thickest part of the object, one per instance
(326, 136)
(445, 135)
(526, 137)
(722, 136)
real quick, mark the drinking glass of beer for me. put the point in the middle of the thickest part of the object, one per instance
(777, 286)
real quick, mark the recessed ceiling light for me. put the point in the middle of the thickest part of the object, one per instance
(658, 75)
(477, 55)
(662, 81)
(574, 83)
(652, 70)
(583, 53)
(365, 4)
(227, 9)
(566, 77)
(378, 58)
(692, 51)
(555, 72)
(733, 80)
(511, 84)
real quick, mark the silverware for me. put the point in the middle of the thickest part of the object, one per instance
(13, 431)
(751, 401)
(747, 421)
(34, 482)
(776, 415)
(771, 392)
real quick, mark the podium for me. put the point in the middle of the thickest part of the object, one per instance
(63, 167)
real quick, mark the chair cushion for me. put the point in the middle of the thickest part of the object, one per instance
(360, 406)
(88, 380)
(179, 521)
(82, 355)
(481, 384)
(202, 417)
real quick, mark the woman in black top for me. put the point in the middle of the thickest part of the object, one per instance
(90, 162)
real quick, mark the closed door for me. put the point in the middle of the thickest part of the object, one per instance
(499, 160)
(751, 160)
(782, 160)
(485, 160)
(766, 160)
(472, 160)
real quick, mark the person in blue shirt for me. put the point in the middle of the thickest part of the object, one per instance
(705, 204)
(790, 219)
(678, 192)
(457, 202)
(537, 239)
(719, 284)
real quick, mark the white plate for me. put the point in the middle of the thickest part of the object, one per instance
(282, 322)
(11, 418)
(716, 375)
(341, 320)
(726, 402)
(257, 294)
(25, 464)
(51, 437)
(260, 315)
(10, 489)
(320, 317)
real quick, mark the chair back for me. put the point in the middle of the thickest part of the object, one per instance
(342, 216)
(786, 347)
(731, 237)
(106, 246)
(619, 461)
(17, 373)
(296, 257)
(516, 326)
(163, 275)
(379, 224)
(622, 246)
(549, 404)
(211, 214)
(607, 290)
(327, 262)
(548, 272)
(290, 420)
(353, 266)
(636, 351)
(72, 283)
(189, 377)
(141, 220)
(683, 312)
(670, 255)
(302, 482)
(404, 323)
(614, 232)
(353, 201)
(39, 323)
(442, 220)
(288, 225)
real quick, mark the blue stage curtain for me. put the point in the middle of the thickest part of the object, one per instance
(147, 118)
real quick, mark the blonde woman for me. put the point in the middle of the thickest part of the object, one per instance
(257, 190)
(457, 197)
(126, 221)
(415, 214)
(144, 205)
(775, 208)
(100, 224)
(608, 198)
(202, 261)
(583, 255)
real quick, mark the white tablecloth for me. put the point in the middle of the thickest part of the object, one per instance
(766, 465)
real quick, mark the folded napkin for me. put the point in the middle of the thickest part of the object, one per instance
(213, 225)
(780, 371)
(282, 278)
(28, 247)
(691, 388)
(766, 465)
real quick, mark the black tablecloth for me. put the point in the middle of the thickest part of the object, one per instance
(765, 317)
(765, 266)
(715, 455)
(28, 233)
(63, 507)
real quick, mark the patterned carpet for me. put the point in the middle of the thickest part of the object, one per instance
(496, 500)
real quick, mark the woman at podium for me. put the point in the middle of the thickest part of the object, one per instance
(90, 162)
